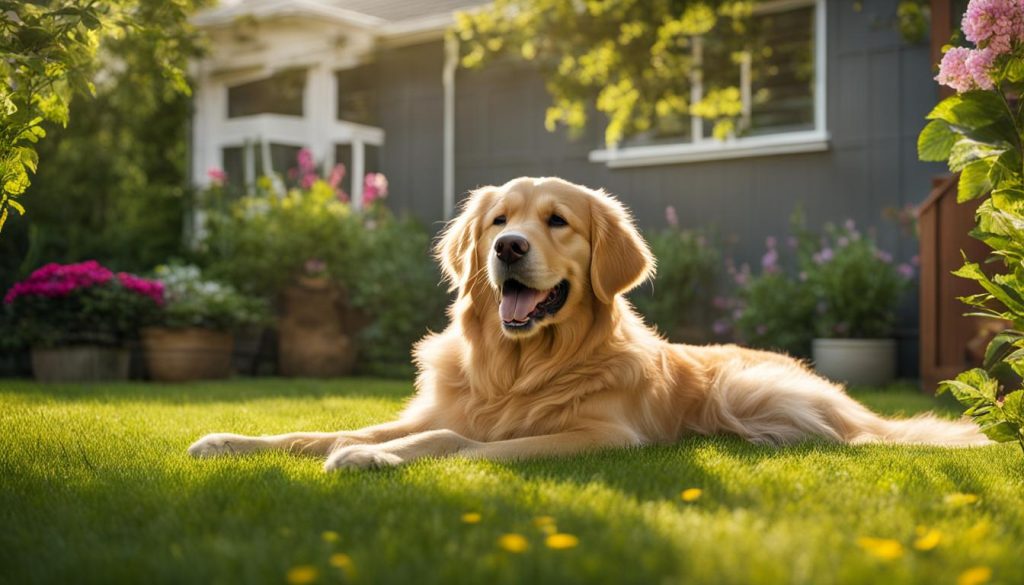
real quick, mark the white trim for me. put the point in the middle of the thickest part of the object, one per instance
(700, 149)
(748, 146)
(267, 9)
(451, 62)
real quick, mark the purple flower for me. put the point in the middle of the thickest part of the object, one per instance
(883, 256)
(915, 260)
(721, 303)
(792, 242)
(671, 217)
(979, 65)
(824, 256)
(770, 261)
(906, 271)
(720, 327)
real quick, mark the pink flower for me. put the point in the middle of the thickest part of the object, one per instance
(770, 261)
(375, 186)
(883, 256)
(305, 160)
(671, 217)
(906, 271)
(979, 65)
(59, 280)
(953, 70)
(824, 256)
(217, 176)
(994, 24)
(337, 174)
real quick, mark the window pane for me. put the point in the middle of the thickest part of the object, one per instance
(357, 95)
(782, 72)
(280, 94)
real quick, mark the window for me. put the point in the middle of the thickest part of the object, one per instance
(278, 94)
(283, 158)
(357, 95)
(777, 66)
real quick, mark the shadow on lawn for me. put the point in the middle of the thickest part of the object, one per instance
(236, 390)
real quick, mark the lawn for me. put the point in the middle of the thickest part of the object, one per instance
(95, 487)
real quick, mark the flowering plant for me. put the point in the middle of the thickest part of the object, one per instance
(192, 301)
(855, 284)
(63, 304)
(688, 270)
(835, 284)
(979, 132)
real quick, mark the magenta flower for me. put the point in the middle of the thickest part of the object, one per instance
(953, 70)
(60, 280)
(375, 186)
(337, 174)
(217, 176)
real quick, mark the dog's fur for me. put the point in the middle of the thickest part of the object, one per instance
(591, 375)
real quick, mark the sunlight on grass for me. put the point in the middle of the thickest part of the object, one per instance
(95, 487)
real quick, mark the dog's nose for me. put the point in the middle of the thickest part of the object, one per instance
(511, 248)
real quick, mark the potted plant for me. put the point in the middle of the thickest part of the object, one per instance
(191, 337)
(79, 318)
(857, 287)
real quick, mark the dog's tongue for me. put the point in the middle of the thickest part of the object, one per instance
(518, 301)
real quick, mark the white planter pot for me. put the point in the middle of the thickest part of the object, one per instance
(857, 362)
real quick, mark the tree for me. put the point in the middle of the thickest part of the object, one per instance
(53, 51)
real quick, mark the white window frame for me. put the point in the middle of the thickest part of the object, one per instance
(317, 129)
(701, 149)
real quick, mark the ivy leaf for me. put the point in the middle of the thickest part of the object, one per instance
(935, 141)
(974, 180)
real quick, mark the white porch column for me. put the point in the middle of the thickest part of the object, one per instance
(357, 172)
(319, 105)
(451, 62)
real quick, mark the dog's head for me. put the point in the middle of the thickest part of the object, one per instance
(545, 248)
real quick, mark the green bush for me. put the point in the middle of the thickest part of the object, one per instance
(679, 299)
(775, 312)
(192, 301)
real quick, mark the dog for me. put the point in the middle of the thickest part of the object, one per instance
(544, 356)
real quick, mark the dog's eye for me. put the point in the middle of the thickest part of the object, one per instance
(557, 221)
(500, 220)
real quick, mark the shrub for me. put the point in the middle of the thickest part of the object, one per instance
(979, 132)
(192, 301)
(680, 296)
(81, 303)
(855, 285)
(775, 312)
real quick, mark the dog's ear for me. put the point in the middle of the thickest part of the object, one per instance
(456, 247)
(619, 257)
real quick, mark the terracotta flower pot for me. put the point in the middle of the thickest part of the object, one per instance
(81, 363)
(858, 362)
(312, 338)
(179, 355)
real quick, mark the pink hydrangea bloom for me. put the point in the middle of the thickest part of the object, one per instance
(953, 70)
(375, 186)
(979, 65)
(994, 24)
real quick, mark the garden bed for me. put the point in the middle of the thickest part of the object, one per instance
(95, 487)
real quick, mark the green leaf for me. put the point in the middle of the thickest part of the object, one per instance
(1001, 432)
(1009, 200)
(935, 141)
(980, 115)
(967, 151)
(1000, 347)
(16, 206)
(1013, 406)
(974, 180)
(1015, 70)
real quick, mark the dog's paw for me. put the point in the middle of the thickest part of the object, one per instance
(219, 444)
(361, 457)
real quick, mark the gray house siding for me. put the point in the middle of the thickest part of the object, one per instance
(879, 90)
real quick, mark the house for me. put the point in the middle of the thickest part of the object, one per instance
(373, 84)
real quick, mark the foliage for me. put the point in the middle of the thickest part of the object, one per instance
(631, 60)
(855, 284)
(979, 132)
(836, 283)
(192, 301)
(914, 20)
(51, 53)
(81, 303)
(262, 243)
(682, 292)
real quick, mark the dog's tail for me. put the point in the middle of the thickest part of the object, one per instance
(780, 402)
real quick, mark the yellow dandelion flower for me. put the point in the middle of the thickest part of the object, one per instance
(882, 548)
(471, 518)
(514, 543)
(691, 495)
(340, 560)
(974, 576)
(330, 536)
(957, 500)
(302, 575)
(561, 541)
(927, 540)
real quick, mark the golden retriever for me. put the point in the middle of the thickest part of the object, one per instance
(545, 357)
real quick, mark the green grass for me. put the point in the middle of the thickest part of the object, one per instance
(95, 487)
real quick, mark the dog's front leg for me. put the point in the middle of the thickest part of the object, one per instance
(441, 443)
(316, 444)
